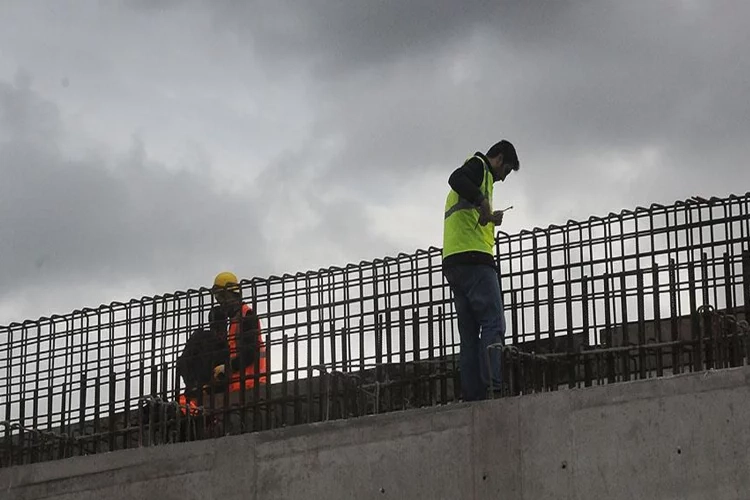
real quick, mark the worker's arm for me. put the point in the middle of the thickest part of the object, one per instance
(247, 342)
(217, 320)
(467, 179)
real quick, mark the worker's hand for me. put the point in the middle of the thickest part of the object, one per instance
(219, 373)
(485, 214)
(497, 217)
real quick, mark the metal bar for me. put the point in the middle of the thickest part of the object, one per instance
(415, 385)
(443, 356)
(569, 334)
(746, 282)
(657, 320)
(697, 333)
(537, 301)
(674, 318)
(514, 307)
(707, 348)
(641, 325)
(309, 328)
(587, 372)
(625, 333)
(402, 355)
(258, 417)
(609, 329)
(284, 377)
(322, 394)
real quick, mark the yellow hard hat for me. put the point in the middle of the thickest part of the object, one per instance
(227, 281)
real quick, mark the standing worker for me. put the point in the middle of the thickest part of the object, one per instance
(469, 264)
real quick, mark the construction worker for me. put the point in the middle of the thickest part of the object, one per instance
(235, 335)
(469, 264)
(243, 335)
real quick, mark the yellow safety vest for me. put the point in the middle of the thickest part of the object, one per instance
(460, 230)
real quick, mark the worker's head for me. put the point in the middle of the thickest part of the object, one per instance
(503, 159)
(226, 289)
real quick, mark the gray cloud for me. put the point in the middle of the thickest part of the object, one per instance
(71, 223)
(301, 122)
(578, 87)
(87, 220)
(334, 36)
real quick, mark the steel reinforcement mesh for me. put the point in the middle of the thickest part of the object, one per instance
(641, 293)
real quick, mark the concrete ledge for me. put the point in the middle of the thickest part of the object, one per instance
(682, 437)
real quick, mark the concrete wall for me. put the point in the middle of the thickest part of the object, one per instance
(683, 438)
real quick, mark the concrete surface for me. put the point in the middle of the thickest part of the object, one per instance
(683, 438)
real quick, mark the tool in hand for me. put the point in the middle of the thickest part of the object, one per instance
(503, 211)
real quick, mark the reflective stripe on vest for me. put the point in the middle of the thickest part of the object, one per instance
(234, 328)
(461, 232)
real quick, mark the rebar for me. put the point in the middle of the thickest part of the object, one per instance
(643, 293)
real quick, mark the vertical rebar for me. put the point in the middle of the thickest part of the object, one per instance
(431, 369)
(537, 308)
(609, 331)
(416, 392)
(705, 280)
(625, 327)
(345, 350)
(334, 379)
(402, 356)
(322, 389)
(443, 352)
(388, 338)
(657, 321)
(296, 345)
(111, 418)
(514, 306)
(284, 376)
(697, 333)
(587, 375)
(746, 283)
(309, 329)
(259, 423)
(551, 311)
(734, 343)
(35, 441)
(154, 336)
(642, 368)
(707, 343)
(378, 339)
(674, 319)
(708, 338)
(571, 350)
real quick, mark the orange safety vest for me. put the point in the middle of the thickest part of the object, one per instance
(186, 403)
(234, 327)
(235, 383)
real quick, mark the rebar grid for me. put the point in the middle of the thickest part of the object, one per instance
(610, 299)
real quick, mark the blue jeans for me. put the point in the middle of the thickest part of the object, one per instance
(481, 322)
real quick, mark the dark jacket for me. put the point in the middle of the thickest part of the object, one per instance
(247, 338)
(466, 181)
(206, 349)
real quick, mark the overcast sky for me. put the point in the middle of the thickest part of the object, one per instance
(146, 145)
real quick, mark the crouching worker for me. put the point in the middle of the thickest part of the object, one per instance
(235, 336)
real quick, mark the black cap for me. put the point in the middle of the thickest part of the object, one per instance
(508, 151)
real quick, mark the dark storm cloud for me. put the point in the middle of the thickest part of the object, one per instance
(414, 85)
(337, 36)
(72, 221)
(610, 104)
(324, 110)
(577, 86)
